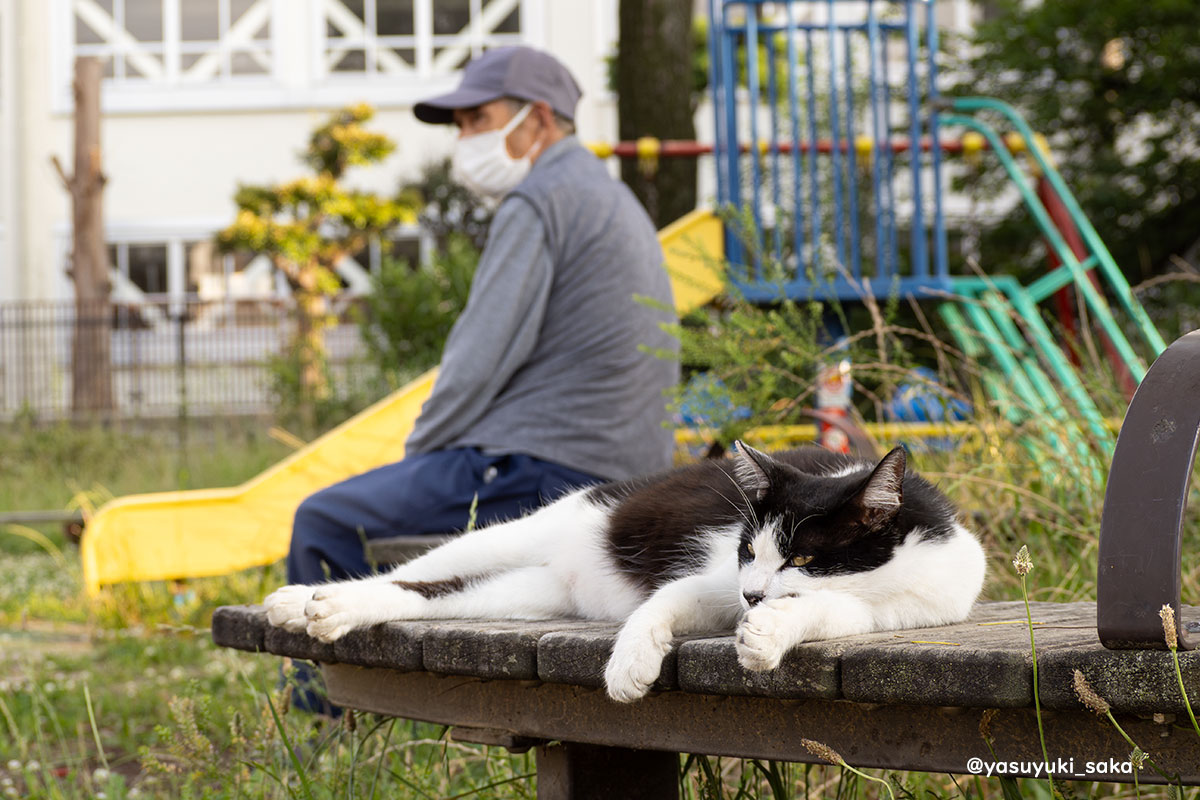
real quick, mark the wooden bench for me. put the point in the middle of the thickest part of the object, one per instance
(398, 549)
(912, 699)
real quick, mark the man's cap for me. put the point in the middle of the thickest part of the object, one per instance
(520, 72)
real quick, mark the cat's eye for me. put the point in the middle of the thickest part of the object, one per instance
(750, 548)
(800, 561)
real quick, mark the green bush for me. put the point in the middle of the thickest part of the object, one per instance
(411, 309)
(307, 411)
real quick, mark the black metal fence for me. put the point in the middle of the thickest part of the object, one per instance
(167, 358)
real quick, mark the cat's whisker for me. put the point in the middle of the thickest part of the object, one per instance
(748, 507)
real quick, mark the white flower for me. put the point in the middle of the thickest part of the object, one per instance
(33, 766)
(101, 775)
(14, 765)
(176, 673)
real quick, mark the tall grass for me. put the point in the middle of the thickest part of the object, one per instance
(128, 698)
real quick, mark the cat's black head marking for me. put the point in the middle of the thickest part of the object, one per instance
(833, 514)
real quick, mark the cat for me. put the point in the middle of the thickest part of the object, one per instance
(792, 547)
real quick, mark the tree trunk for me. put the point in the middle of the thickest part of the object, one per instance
(654, 98)
(308, 349)
(91, 365)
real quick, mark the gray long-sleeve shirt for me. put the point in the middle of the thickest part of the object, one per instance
(549, 358)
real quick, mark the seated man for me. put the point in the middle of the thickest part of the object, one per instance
(549, 379)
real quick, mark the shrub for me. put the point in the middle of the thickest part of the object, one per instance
(411, 309)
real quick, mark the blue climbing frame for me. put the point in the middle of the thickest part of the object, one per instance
(832, 157)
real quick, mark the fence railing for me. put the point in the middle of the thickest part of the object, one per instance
(166, 358)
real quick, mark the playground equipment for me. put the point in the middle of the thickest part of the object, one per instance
(829, 136)
(217, 531)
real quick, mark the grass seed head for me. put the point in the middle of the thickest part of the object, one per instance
(823, 751)
(1088, 696)
(1167, 613)
(1022, 562)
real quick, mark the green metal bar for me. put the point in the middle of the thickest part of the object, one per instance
(1050, 283)
(1108, 266)
(993, 301)
(968, 342)
(1033, 405)
(996, 305)
(1001, 311)
(1056, 279)
(1063, 370)
(996, 388)
(1027, 308)
(966, 338)
(1004, 357)
(1095, 300)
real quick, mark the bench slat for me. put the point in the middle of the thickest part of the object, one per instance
(973, 664)
(956, 665)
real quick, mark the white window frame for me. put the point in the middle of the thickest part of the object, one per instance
(171, 90)
(297, 80)
(425, 79)
(175, 234)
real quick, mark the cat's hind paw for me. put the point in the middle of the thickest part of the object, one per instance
(761, 639)
(285, 607)
(635, 663)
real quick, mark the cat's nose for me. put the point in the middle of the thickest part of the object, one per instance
(753, 598)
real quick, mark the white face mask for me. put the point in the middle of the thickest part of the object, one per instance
(482, 163)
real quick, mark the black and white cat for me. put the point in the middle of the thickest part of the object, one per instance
(797, 546)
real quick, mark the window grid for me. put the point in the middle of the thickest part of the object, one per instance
(243, 48)
(422, 54)
(161, 55)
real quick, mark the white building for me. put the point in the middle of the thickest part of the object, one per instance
(201, 95)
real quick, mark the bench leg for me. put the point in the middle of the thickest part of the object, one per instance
(571, 771)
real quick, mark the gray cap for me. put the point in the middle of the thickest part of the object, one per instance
(520, 72)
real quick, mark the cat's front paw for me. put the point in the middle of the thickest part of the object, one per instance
(285, 607)
(762, 637)
(635, 662)
(338, 608)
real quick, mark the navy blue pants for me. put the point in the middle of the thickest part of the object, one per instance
(429, 493)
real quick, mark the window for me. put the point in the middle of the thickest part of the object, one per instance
(194, 55)
(165, 264)
(172, 45)
(413, 38)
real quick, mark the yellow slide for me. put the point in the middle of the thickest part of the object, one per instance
(217, 531)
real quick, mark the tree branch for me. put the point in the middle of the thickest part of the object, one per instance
(68, 184)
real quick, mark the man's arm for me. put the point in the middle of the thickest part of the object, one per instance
(497, 330)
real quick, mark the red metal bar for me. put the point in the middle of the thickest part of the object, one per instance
(678, 148)
(1062, 298)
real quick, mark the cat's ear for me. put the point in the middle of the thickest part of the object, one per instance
(878, 502)
(750, 469)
